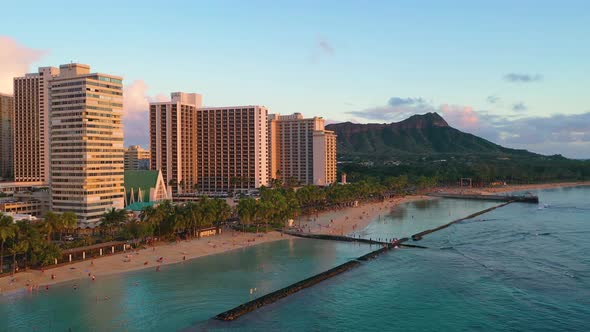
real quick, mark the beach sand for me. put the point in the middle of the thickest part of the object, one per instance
(352, 219)
(511, 188)
(135, 260)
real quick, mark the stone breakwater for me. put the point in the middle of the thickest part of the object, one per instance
(270, 298)
(296, 287)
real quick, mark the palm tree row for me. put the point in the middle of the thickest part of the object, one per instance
(31, 240)
(280, 203)
(168, 220)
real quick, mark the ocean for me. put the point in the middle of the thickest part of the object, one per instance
(522, 267)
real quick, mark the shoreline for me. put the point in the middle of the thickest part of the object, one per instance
(512, 188)
(136, 260)
(344, 221)
(353, 219)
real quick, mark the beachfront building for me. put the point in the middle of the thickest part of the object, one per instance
(31, 125)
(137, 158)
(301, 150)
(86, 142)
(324, 157)
(173, 140)
(232, 149)
(6, 141)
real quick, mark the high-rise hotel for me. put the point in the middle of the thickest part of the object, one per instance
(301, 150)
(232, 148)
(173, 140)
(31, 125)
(86, 134)
(209, 150)
(6, 141)
(237, 148)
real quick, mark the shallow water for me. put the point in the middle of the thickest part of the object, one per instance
(408, 219)
(516, 268)
(179, 295)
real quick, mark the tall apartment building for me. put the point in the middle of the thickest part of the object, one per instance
(6, 141)
(324, 157)
(232, 148)
(31, 125)
(173, 140)
(301, 149)
(137, 158)
(86, 142)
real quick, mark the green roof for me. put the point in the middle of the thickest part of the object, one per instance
(140, 179)
(139, 206)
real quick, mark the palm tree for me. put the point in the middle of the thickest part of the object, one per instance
(7, 231)
(52, 224)
(47, 253)
(247, 210)
(151, 217)
(222, 210)
(69, 220)
(27, 240)
(113, 218)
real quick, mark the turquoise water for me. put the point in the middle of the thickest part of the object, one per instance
(517, 268)
(178, 296)
(408, 219)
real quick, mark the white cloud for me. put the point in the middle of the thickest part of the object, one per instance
(136, 112)
(566, 134)
(15, 60)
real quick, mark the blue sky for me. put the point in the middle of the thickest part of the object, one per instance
(514, 72)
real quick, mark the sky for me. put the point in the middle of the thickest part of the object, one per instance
(513, 72)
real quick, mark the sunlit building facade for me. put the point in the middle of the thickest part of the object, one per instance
(6, 134)
(137, 158)
(86, 142)
(232, 148)
(173, 140)
(301, 150)
(31, 125)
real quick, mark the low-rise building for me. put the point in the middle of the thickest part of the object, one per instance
(143, 187)
(137, 158)
(30, 207)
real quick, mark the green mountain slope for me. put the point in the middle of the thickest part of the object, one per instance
(419, 134)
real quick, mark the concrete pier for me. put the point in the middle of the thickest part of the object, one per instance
(333, 237)
(502, 198)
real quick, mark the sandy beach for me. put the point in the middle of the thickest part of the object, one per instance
(510, 188)
(136, 260)
(353, 219)
(339, 222)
